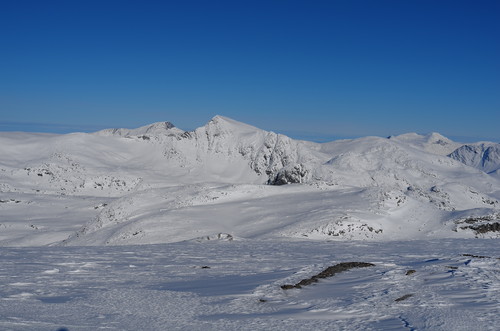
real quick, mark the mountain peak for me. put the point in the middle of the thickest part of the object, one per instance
(225, 124)
(226, 120)
(437, 138)
(218, 118)
(158, 127)
(434, 142)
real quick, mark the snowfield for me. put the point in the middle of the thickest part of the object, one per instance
(160, 228)
(446, 284)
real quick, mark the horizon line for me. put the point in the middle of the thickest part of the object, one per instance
(319, 137)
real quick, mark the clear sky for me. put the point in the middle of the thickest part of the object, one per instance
(305, 68)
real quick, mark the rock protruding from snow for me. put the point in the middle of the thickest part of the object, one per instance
(290, 175)
(215, 237)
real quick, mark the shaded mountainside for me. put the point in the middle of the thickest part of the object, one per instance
(483, 156)
(159, 183)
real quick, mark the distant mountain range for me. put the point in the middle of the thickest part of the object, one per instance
(227, 179)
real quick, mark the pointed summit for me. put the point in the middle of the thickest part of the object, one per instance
(225, 124)
(437, 138)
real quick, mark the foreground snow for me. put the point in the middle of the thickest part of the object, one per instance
(230, 285)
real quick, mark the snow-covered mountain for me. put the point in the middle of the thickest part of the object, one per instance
(484, 156)
(432, 143)
(159, 183)
(222, 149)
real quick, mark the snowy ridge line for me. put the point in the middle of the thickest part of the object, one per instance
(160, 184)
(483, 155)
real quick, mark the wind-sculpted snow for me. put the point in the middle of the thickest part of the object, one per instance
(159, 184)
(237, 285)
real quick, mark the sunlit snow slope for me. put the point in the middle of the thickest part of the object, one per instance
(158, 184)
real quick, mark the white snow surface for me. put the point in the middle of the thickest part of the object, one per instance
(236, 285)
(160, 184)
(432, 142)
(162, 229)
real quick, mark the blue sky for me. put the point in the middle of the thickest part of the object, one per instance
(315, 69)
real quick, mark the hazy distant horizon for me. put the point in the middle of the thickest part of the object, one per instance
(300, 135)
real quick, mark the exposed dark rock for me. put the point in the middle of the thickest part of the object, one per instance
(328, 272)
(187, 135)
(10, 200)
(476, 256)
(484, 228)
(473, 220)
(483, 224)
(289, 175)
(404, 297)
(490, 227)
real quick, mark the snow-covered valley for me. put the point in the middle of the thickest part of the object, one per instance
(114, 230)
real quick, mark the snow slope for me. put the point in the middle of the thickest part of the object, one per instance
(160, 184)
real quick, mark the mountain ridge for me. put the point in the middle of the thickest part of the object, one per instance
(159, 183)
(482, 155)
